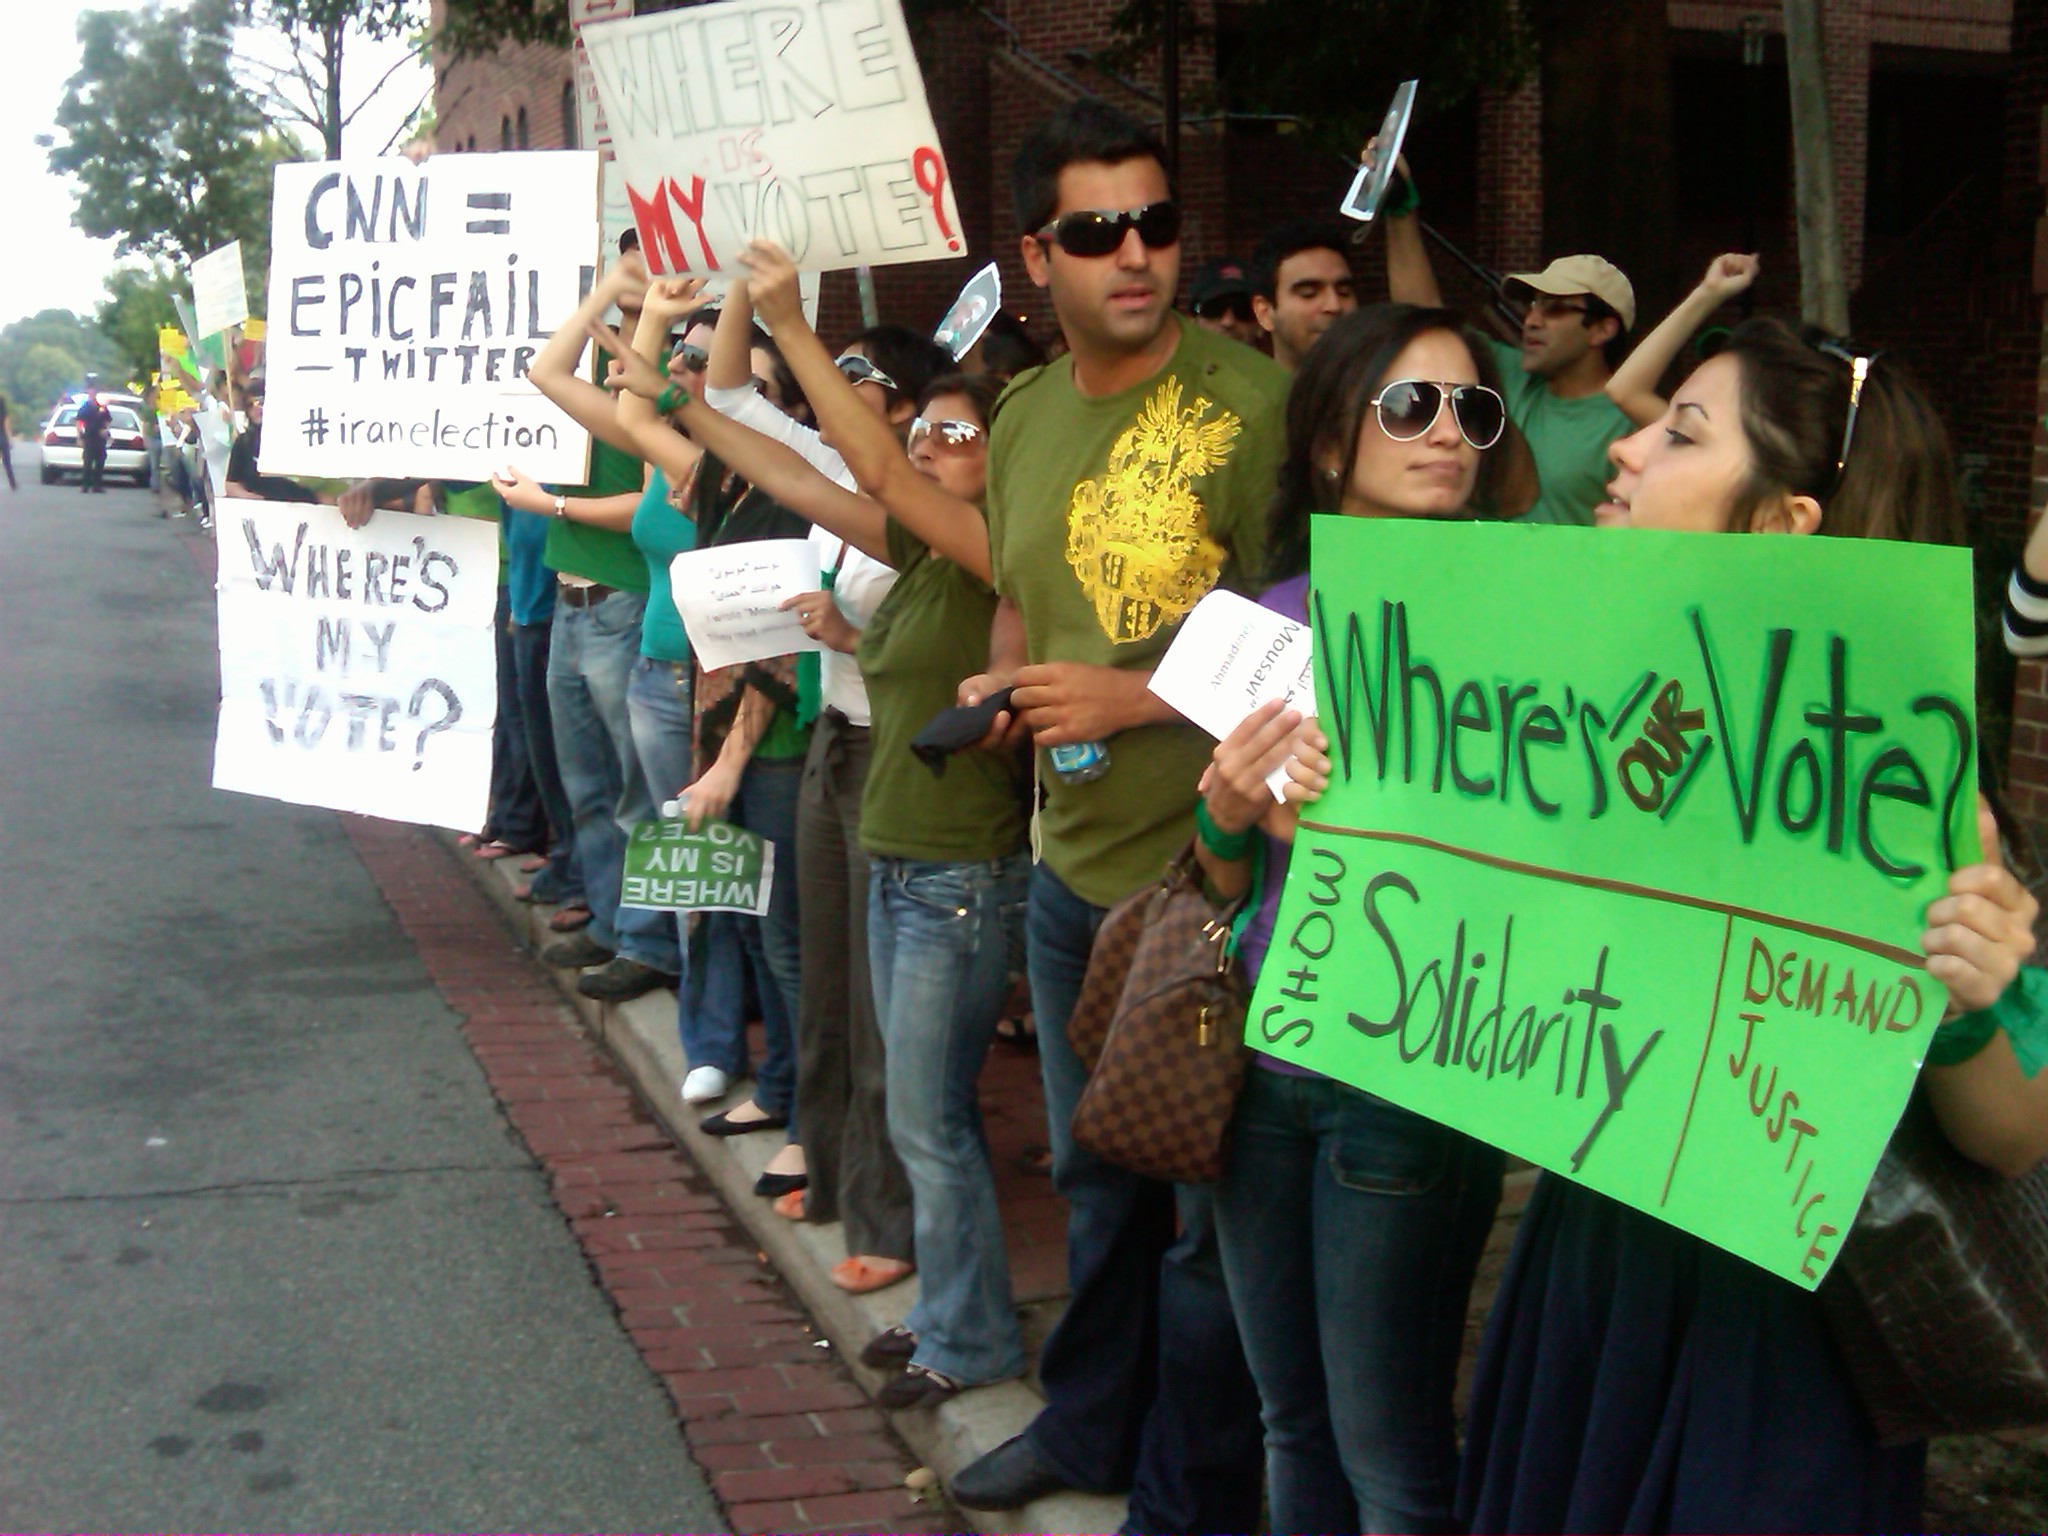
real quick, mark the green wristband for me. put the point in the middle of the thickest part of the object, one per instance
(670, 399)
(1403, 199)
(1227, 846)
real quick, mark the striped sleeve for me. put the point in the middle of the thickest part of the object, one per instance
(2026, 615)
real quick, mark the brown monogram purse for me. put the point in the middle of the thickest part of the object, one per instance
(1159, 1025)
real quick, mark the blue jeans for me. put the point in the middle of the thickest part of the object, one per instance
(712, 1021)
(939, 944)
(590, 657)
(658, 710)
(562, 880)
(1145, 1381)
(516, 816)
(1351, 1230)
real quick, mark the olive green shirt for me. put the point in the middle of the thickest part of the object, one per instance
(930, 631)
(1110, 517)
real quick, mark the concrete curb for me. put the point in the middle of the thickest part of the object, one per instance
(641, 1036)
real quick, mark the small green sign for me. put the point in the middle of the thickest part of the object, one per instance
(717, 868)
(1624, 861)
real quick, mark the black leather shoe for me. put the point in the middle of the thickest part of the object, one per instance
(620, 980)
(1008, 1477)
(893, 1346)
(772, 1185)
(723, 1124)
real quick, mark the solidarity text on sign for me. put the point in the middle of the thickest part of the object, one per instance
(357, 666)
(798, 121)
(717, 868)
(407, 303)
(1626, 855)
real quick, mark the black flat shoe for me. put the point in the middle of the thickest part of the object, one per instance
(723, 1124)
(1008, 1477)
(772, 1185)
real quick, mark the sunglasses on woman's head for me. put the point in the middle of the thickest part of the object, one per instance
(1101, 231)
(859, 370)
(1409, 407)
(946, 434)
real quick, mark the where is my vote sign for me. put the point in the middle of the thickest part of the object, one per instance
(357, 666)
(717, 868)
(799, 121)
(407, 303)
(1627, 851)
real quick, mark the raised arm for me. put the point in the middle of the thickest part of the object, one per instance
(773, 467)
(1634, 384)
(1410, 277)
(554, 371)
(946, 524)
(667, 301)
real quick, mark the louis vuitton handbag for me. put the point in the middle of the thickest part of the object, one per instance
(1160, 1026)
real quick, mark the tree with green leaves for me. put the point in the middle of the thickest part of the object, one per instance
(51, 351)
(171, 157)
(138, 301)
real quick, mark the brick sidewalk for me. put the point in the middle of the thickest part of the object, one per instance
(789, 1439)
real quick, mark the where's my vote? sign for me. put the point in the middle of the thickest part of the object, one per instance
(799, 121)
(1626, 856)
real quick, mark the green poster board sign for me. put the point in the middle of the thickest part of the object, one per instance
(717, 868)
(1624, 861)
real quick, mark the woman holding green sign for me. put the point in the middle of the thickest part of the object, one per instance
(1634, 1377)
(1351, 1228)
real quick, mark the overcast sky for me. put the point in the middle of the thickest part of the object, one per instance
(45, 262)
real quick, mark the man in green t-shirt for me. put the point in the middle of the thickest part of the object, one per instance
(1126, 480)
(1575, 313)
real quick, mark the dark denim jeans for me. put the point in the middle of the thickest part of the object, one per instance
(730, 944)
(590, 659)
(516, 814)
(1145, 1381)
(562, 880)
(940, 939)
(1351, 1230)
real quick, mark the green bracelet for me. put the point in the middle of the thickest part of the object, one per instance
(1231, 847)
(670, 399)
(1404, 200)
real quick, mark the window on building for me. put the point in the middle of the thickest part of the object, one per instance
(472, 142)
(570, 136)
(519, 132)
(504, 133)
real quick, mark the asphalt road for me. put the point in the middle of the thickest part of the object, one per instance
(270, 1259)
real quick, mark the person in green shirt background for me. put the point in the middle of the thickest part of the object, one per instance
(1575, 313)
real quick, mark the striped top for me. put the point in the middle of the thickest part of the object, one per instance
(2026, 614)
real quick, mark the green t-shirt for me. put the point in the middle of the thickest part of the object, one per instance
(930, 631)
(1567, 438)
(661, 533)
(1109, 519)
(599, 554)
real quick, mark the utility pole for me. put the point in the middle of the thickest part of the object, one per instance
(1823, 293)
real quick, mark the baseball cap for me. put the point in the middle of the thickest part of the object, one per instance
(1579, 274)
(1223, 278)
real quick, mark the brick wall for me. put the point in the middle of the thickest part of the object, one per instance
(1511, 178)
(475, 99)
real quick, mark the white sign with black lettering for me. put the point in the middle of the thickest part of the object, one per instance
(219, 296)
(358, 668)
(407, 303)
(799, 121)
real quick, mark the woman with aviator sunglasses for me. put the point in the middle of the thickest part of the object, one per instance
(946, 854)
(1351, 1229)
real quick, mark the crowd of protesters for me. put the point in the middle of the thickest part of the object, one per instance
(1286, 1340)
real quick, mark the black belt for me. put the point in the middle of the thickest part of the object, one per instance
(583, 597)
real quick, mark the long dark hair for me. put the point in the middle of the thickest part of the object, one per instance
(1899, 480)
(1331, 398)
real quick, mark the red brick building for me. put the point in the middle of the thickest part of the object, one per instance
(1940, 149)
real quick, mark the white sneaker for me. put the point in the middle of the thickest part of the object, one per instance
(704, 1084)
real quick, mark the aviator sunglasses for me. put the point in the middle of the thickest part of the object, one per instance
(1409, 407)
(949, 434)
(1100, 231)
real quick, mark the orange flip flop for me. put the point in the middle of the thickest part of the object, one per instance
(790, 1207)
(860, 1274)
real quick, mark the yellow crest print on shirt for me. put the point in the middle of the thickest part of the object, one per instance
(1137, 538)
